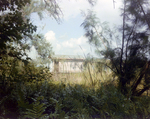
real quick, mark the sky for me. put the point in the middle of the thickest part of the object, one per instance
(67, 38)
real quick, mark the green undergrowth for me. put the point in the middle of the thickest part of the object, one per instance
(50, 100)
(30, 92)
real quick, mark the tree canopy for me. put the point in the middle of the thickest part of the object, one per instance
(130, 60)
(13, 28)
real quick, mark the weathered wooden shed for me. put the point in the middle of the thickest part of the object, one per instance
(67, 63)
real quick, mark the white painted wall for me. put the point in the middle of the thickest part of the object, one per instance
(70, 66)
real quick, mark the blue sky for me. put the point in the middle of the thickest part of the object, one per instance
(67, 36)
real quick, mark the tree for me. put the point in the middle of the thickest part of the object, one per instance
(13, 29)
(51, 7)
(130, 60)
(43, 48)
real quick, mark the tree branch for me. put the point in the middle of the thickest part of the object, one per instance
(142, 91)
(128, 42)
(144, 14)
(123, 37)
(100, 37)
(134, 86)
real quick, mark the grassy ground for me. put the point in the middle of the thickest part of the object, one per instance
(86, 77)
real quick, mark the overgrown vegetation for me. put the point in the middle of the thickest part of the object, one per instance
(29, 90)
(45, 99)
(128, 59)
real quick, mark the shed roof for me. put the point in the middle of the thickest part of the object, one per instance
(73, 58)
(68, 57)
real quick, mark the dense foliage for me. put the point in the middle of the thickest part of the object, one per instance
(28, 90)
(13, 28)
(48, 100)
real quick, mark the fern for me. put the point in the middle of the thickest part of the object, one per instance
(58, 110)
(37, 110)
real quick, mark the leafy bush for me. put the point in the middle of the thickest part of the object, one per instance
(13, 74)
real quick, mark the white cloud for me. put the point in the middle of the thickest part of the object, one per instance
(50, 36)
(74, 42)
(63, 36)
(106, 12)
(67, 47)
(81, 40)
(72, 8)
(80, 51)
(70, 46)
(33, 53)
(58, 47)
(104, 9)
